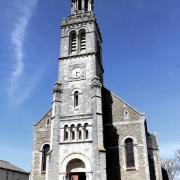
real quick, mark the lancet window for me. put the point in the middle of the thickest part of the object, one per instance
(86, 5)
(129, 149)
(76, 99)
(79, 132)
(86, 131)
(126, 114)
(73, 132)
(73, 42)
(82, 36)
(79, 5)
(45, 151)
(66, 132)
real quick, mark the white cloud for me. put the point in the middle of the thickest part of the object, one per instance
(26, 9)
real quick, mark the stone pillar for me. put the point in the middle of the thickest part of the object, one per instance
(97, 108)
(98, 139)
(53, 165)
(89, 176)
(143, 131)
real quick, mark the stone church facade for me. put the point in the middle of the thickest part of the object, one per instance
(90, 133)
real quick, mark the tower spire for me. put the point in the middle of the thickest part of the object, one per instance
(81, 6)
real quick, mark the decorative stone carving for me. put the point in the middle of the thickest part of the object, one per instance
(57, 88)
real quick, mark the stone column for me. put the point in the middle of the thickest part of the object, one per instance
(53, 165)
(89, 176)
(98, 139)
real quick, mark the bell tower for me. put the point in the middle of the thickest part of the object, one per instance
(81, 6)
(77, 144)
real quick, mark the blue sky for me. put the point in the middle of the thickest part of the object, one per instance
(141, 57)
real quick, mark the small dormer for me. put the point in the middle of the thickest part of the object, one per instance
(81, 6)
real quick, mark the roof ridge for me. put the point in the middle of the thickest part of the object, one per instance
(8, 165)
(35, 124)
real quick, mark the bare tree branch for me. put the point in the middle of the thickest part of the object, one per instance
(170, 166)
(177, 160)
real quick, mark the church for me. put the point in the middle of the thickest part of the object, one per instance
(90, 133)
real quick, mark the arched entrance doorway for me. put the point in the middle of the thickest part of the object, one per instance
(76, 170)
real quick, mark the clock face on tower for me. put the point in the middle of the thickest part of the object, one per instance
(76, 73)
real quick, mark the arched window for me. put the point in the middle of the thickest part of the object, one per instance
(86, 5)
(47, 122)
(129, 149)
(72, 132)
(45, 151)
(66, 133)
(79, 132)
(76, 99)
(82, 36)
(126, 114)
(79, 5)
(73, 42)
(86, 132)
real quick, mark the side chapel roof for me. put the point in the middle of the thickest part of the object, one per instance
(8, 166)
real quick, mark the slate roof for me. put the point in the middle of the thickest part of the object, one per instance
(9, 166)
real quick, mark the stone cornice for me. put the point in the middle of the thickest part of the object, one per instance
(77, 142)
(78, 18)
(76, 56)
(73, 56)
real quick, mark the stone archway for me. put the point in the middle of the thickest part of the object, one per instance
(76, 163)
(76, 170)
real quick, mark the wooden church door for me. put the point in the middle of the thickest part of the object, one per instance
(74, 177)
(78, 176)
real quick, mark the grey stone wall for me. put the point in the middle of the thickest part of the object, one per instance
(121, 121)
(41, 137)
(154, 158)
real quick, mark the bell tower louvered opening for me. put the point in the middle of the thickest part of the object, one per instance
(73, 43)
(82, 40)
(81, 6)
